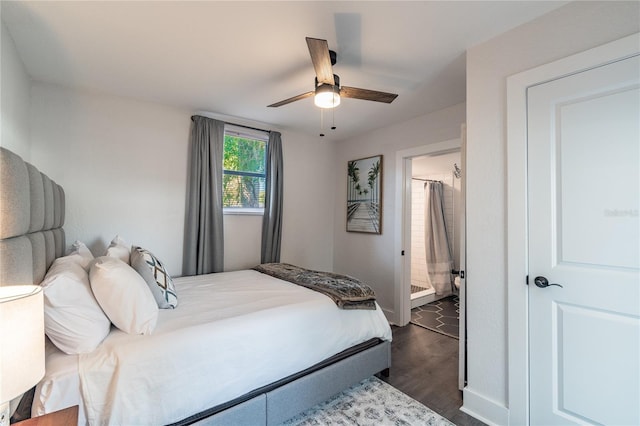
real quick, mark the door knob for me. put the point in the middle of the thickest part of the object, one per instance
(542, 282)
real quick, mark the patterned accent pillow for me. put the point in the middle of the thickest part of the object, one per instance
(156, 276)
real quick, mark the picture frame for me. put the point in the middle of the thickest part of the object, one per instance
(364, 195)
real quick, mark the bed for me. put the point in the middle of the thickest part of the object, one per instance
(241, 347)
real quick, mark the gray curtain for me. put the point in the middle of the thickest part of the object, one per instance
(203, 241)
(437, 250)
(272, 219)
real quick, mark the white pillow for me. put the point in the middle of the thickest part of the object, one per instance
(119, 249)
(73, 320)
(123, 295)
(81, 253)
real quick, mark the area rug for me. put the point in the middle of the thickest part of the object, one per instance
(440, 316)
(371, 402)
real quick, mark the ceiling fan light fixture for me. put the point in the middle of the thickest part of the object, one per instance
(327, 96)
(328, 91)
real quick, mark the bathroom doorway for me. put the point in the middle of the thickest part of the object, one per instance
(435, 187)
(404, 183)
(435, 241)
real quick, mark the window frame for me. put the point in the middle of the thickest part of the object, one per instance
(253, 134)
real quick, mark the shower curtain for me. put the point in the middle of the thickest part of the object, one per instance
(438, 252)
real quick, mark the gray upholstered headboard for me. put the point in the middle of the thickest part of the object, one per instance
(31, 218)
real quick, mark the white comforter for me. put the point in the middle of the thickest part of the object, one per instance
(231, 333)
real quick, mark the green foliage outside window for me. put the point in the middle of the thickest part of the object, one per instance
(244, 175)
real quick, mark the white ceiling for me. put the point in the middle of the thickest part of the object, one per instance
(235, 58)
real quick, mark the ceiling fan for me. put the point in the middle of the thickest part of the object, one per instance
(328, 91)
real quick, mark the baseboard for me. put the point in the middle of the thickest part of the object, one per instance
(483, 408)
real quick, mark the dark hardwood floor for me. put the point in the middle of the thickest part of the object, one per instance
(425, 367)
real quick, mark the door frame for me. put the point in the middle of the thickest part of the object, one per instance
(517, 222)
(402, 284)
(402, 267)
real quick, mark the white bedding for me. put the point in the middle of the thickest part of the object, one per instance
(255, 330)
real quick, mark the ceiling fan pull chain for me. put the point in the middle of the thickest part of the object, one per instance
(333, 119)
(321, 122)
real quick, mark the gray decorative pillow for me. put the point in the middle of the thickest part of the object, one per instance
(156, 276)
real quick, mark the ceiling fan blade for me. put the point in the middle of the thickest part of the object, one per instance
(367, 95)
(319, 51)
(288, 101)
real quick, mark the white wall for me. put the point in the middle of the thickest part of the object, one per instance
(310, 171)
(568, 30)
(123, 164)
(242, 239)
(14, 87)
(371, 257)
(418, 249)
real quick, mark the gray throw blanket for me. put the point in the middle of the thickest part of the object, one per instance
(347, 292)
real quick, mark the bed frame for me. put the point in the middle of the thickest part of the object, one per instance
(279, 401)
(32, 213)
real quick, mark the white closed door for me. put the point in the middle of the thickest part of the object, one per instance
(583, 139)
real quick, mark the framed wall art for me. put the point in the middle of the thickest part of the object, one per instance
(364, 195)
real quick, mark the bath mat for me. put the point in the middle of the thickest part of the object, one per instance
(441, 316)
(371, 402)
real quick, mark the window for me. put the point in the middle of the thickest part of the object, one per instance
(244, 170)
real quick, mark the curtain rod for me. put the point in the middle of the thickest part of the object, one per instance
(234, 124)
(427, 180)
(248, 127)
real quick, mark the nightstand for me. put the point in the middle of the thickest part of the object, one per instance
(64, 417)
